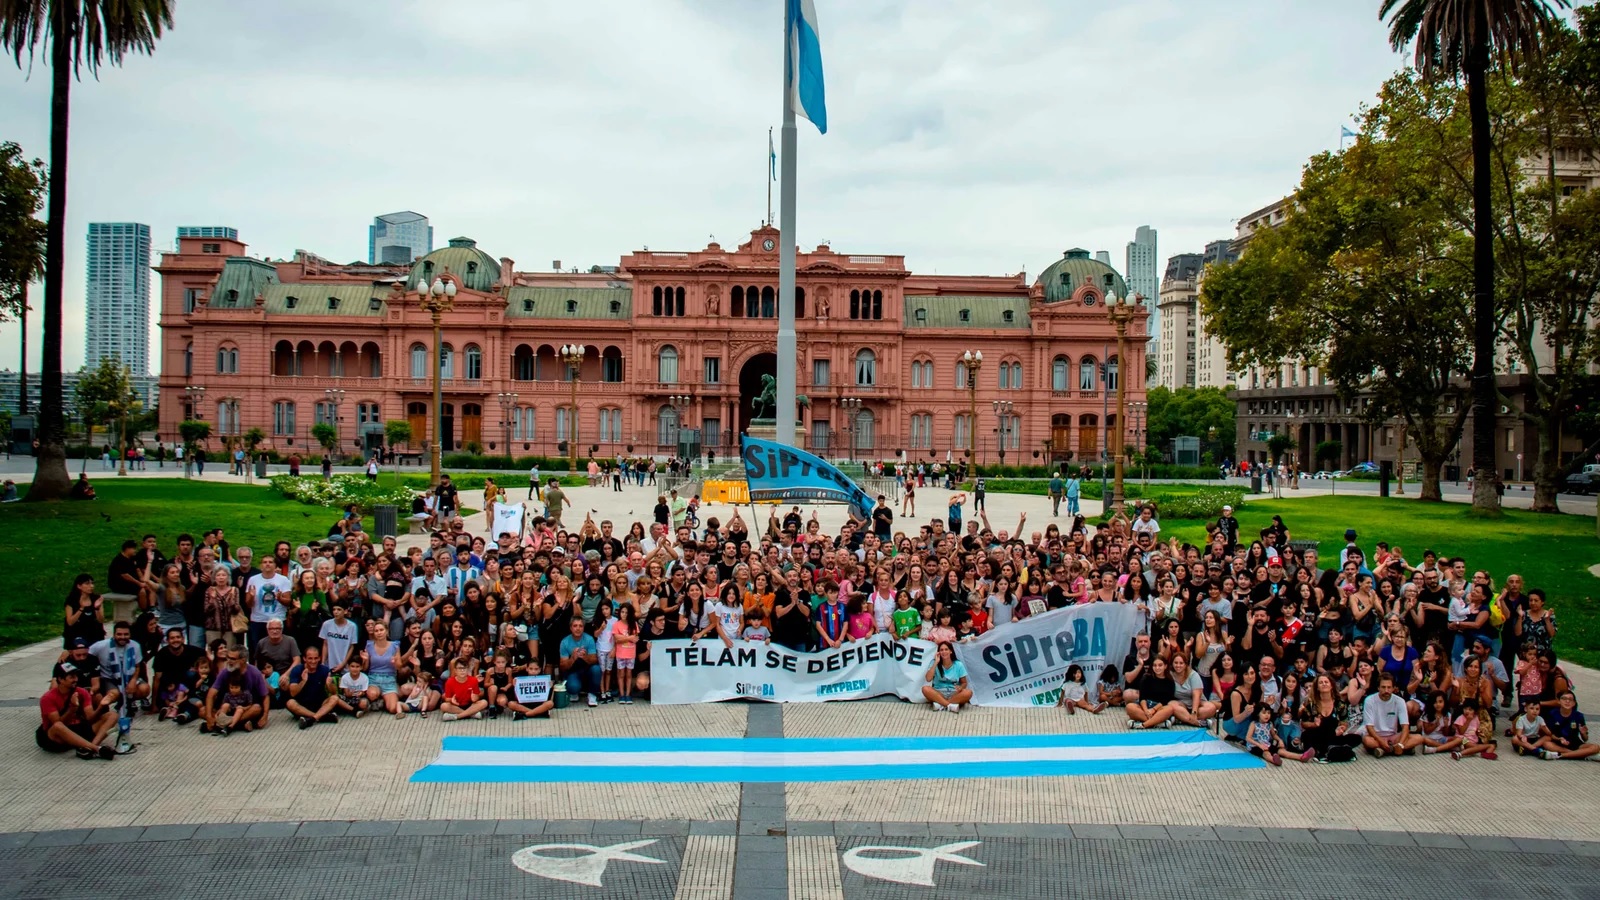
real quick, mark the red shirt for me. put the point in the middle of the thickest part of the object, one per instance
(71, 712)
(460, 692)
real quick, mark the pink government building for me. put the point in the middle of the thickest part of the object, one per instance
(674, 341)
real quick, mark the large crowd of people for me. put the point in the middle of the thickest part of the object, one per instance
(1256, 636)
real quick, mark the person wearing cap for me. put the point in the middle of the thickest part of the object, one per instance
(1228, 528)
(70, 720)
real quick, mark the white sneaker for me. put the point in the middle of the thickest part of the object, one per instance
(448, 717)
(938, 707)
(955, 707)
(593, 701)
(477, 715)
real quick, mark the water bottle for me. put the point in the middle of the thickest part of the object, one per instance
(124, 725)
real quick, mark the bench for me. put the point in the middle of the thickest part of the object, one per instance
(403, 459)
(414, 524)
(124, 607)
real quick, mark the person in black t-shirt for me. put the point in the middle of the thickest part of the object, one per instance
(169, 670)
(882, 519)
(1156, 690)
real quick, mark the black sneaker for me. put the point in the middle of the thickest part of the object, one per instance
(306, 722)
(517, 716)
(107, 753)
(332, 719)
(494, 712)
(87, 754)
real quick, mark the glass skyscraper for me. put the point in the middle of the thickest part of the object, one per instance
(118, 297)
(399, 238)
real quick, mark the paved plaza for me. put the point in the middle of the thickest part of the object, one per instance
(331, 812)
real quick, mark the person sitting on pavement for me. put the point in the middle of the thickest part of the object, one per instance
(71, 720)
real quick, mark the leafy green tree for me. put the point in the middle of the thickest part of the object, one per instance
(1367, 278)
(1328, 453)
(325, 435)
(195, 433)
(76, 34)
(22, 235)
(1280, 444)
(1191, 412)
(1461, 39)
(396, 432)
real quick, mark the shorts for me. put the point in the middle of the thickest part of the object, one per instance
(608, 662)
(50, 745)
(626, 662)
(385, 684)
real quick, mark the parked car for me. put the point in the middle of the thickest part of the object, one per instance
(1366, 468)
(1584, 481)
(1326, 474)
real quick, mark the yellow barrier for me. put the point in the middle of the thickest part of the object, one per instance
(735, 493)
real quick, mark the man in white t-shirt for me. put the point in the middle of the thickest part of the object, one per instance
(1384, 719)
(338, 637)
(266, 595)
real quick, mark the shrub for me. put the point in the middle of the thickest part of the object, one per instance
(1204, 505)
(341, 490)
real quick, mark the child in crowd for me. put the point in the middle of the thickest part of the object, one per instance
(1477, 734)
(237, 701)
(625, 649)
(1109, 687)
(907, 621)
(755, 626)
(519, 710)
(942, 631)
(858, 616)
(1530, 680)
(497, 682)
(353, 686)
(463, 694)
(606, 640)
(270, 673)
(925, 626)
(1438, 733)
(1262, 739)
(1528, 732)
(1075, 693)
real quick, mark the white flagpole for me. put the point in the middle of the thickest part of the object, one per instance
(786, 404)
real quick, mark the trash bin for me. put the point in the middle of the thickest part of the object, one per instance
(385, 521)
(261, 467)
(1385, 472)
(1255, 484)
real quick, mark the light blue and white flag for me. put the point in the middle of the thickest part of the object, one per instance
(772, 162)
(781, 472)
(567, 760)
(1345, 132)
(805, 92)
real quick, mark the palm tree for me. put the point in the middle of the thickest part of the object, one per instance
(77, 34)
(1459, 38)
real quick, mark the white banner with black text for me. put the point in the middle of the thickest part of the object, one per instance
(708, 670)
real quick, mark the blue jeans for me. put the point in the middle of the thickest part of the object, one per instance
(1072, 506)
(584, 678)
(196, 635)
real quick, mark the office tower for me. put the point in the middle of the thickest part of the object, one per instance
(117, 304)
(1141, 272)
(398, 238)
(208, 231)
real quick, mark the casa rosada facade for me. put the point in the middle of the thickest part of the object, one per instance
(672, 341)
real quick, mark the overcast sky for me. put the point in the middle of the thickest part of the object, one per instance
(973, 138)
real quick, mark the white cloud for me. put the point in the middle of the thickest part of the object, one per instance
(973, 138)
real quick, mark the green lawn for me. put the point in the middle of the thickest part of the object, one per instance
(47, 544)
(1549, 551)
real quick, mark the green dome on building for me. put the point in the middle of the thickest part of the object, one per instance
(1062, 278)
(473, 268)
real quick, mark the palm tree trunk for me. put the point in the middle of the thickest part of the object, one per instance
(1485, 496)
(50, 478)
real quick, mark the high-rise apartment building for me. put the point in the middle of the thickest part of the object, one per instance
(1175, 350)
(1142, 272)
(226, 232)
(117, 304)
(398, 238)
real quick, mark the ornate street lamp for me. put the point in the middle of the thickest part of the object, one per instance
(1002, 412)
(1121, 311)
(508, 407)
(335, 399)
(851, 407)
(974, 362)
(436, 300)
(572, 355)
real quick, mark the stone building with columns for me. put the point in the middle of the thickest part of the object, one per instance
(673, 340)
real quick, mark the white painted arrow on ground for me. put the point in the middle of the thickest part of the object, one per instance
(906, 865)
(585, 868)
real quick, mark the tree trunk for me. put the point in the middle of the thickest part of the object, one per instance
(1432, 465)
(50, 478)
(1485, 497)
(1547, 466)
(22, 317)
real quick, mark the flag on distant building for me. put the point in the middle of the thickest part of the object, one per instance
(805, 89)
(1345, 133)
(772, 157)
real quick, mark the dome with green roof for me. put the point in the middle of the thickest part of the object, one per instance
(473, 268)
(1062, 278)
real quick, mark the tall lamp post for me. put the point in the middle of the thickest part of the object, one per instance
(851, 407)
(436, 300)
(508, 407)
(1002, 412)
(681, 404)
(974, 361)
(572, 355)
(1121, 311)
(335, 399)
(1138, 407)
(197, 396)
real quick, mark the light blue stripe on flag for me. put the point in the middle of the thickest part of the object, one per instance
(467, 759)
(806, 94)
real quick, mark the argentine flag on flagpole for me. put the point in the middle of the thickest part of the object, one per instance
(805, 94)
(772, 158)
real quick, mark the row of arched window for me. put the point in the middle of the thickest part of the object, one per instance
(666, 301)
(304, 358)
(1090, 371)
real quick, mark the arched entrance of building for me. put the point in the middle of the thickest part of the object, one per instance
(750, 387)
